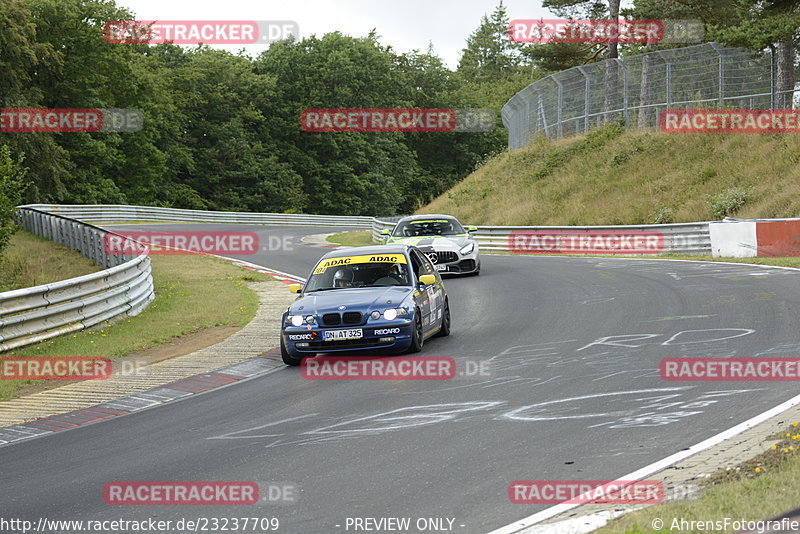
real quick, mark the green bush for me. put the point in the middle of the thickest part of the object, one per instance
(664, 215)
(728, 202)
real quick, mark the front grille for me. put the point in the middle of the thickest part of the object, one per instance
(346, 343)
(331, 319)
(466, 265)
(351, 318)
(446, 256)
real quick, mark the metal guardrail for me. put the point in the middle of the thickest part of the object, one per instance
(117, 213)
(682, 238)
(126, 286)
(38, 313)
(381, 224)
(686, 238)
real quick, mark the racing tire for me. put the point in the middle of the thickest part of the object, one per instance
(445, 328)
(418, 335)
(288, 359)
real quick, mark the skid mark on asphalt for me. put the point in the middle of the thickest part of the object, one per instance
(638, 408)
(605, 358)
(677, 318)
(733, 272)
(376, 424)
(598, 300)
(246, 433)
(649, 407)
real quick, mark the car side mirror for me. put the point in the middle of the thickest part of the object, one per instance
(472, 228)
(295, 288)
(427, 279)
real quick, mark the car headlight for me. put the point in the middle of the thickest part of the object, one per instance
(467, 249)
(296, 320)
(393, 313)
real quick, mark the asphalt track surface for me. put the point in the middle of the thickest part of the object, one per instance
(556, 404)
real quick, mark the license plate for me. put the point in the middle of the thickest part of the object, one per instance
(441, 267)
(334, 335)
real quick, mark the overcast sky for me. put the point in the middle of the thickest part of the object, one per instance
(403, 24)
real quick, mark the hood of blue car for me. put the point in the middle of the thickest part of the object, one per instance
(353, 299)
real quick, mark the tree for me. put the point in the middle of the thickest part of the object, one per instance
(342, 173)
(22, 57)
(490, 53)
(221, 130)
(554, 57)
(12, 186)
(755, 24)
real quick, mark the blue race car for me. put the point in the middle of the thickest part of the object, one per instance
(366, 298)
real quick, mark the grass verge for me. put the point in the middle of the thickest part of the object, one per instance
(352, 239)
(192, 293)
(613, 176)
(760, 488)
(31, 260)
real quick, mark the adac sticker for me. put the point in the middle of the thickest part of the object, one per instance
(350, 260)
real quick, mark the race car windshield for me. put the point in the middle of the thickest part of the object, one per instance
(428, 227)
(359, 275)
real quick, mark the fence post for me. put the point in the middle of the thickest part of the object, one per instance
(624, 91)
(668, 65)
(585, 100)
(773, 67)
(721, 74)
(525, 128)
(540, 113)
(559, 130)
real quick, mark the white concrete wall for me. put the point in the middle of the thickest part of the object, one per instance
(733, 239)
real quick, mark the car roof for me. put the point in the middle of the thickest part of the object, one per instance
(428, 216)
(371, 249)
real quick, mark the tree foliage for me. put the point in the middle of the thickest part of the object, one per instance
(12, 186)
(221, 130)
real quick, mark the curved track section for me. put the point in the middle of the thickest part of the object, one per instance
(571, 345)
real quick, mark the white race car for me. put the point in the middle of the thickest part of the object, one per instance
(450, 246)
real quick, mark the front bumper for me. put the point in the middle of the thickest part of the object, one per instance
(464, 266)
(452, 262)
(300, 341)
